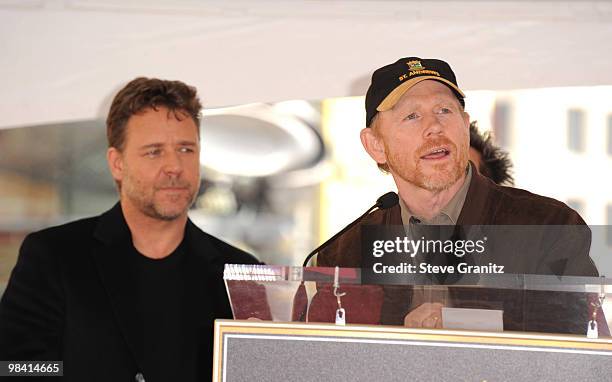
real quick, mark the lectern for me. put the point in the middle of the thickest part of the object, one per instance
(287, 327)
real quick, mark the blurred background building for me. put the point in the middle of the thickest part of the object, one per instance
(280, 178)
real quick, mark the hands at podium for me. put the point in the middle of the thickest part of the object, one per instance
(427, 315)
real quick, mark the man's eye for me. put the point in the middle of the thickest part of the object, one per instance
(153, 153)
(445, 110)
(412, 116)
(186, 150)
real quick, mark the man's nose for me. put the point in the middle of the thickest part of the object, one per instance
(433, 126)
(173, 163)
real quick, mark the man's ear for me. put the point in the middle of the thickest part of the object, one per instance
(466, 118)
(373, 144)
(114, 158)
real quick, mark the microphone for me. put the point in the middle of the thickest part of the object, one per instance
(385, 202)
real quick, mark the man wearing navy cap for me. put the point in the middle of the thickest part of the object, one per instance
(417, 130)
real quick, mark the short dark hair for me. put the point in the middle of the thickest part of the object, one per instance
(496, 163)
(143, 93)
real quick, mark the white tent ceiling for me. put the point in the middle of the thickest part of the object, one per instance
(63, 60)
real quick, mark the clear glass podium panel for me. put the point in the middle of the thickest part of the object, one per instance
(509, 302)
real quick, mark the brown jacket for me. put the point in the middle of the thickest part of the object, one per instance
(487, 203)
(564, 253)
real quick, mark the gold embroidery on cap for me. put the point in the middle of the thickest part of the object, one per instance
(418, 72)
(415, 68)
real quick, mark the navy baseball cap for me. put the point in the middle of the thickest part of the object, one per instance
(390, 82)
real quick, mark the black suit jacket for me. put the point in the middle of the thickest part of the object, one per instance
(71, 297)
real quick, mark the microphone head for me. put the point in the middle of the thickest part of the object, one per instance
(388, 200)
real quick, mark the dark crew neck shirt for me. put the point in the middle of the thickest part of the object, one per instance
(160, 307)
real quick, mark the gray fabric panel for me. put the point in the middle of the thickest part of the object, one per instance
(251, 359)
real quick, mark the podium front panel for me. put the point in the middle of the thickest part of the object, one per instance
(259, 350)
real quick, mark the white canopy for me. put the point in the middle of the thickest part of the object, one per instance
(64, 60)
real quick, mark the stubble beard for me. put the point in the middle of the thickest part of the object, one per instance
(146, 201)
(438, 178)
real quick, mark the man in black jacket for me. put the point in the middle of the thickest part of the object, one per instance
(131, 294)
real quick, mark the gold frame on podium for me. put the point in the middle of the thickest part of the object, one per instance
(518, 340)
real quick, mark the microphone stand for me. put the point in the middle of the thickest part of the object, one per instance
(386, 201)
(341, 232)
